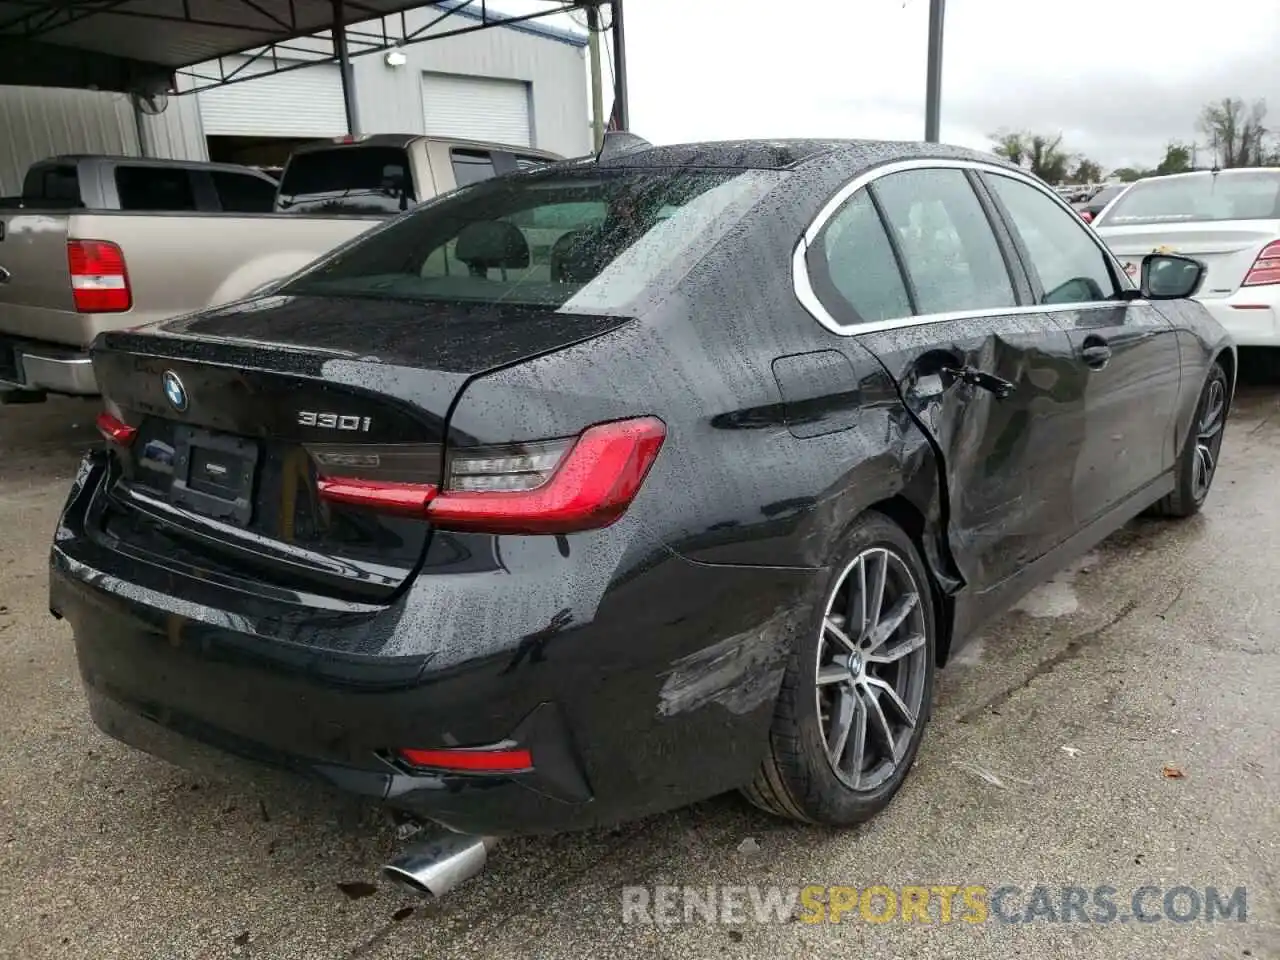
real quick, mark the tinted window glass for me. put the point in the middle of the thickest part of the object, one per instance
(1106, 195)
(1200, 197)
(470, 166)
(946, 241)
(239, 193)
(55, 185)
(161, 189)
(347, 180)
(530, 163)
(585, 241)
(853, 262)
(1071, 267)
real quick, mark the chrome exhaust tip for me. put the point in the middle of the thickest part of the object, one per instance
(434, 865)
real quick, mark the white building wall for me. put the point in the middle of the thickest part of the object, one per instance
(176, 134)
(390, 98)
(39, 122)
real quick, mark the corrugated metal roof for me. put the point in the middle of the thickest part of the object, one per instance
(121, 40)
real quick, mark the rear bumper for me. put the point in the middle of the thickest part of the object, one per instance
(644, 698)
(1251, 315)
(52, 368)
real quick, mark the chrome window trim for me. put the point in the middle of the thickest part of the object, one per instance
(803, 285)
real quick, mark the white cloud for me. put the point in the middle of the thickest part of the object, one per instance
(1118, 78)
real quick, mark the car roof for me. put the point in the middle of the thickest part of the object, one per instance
(405, 139)
(1227, 172)
(790, 154)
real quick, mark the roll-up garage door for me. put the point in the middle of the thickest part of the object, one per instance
(298, 103)
(476, 108)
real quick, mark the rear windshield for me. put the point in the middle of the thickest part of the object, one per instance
(586, 241)
(350, 180)
(1106, 195)
(52, 185)
(1200, 197)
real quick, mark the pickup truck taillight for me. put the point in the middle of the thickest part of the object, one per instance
(99, 281)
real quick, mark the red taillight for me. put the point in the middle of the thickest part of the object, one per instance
(591, 485)
(99, 281)
(472, 760)
(115, 430)
(1266, 269)
(560, 486)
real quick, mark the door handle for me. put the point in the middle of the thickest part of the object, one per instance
(5, 275)
(1096, 353)
(985, 381)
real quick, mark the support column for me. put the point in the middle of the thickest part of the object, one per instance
(621, 112)
(344, 67)
(933, 83)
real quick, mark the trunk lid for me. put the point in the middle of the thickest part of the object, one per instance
(1228, 248)
(240, 410)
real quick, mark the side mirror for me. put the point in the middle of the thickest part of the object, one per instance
(1166, 276)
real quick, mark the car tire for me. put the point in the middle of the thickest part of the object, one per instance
(798, 777)
(1200, 450)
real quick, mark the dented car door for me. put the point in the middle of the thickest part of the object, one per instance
(1126, 351)
(917, 266)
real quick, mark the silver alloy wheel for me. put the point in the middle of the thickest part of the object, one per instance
(1209, 438)
(871, 668)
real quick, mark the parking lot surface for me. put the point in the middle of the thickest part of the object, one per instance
(1120, 728)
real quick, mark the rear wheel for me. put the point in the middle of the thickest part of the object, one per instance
(858, 687)
(1198, 462)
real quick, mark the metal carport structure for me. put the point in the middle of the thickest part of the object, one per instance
(137, 46)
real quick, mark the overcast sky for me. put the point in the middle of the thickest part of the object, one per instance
(1118, 78)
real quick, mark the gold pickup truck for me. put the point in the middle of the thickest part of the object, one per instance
(105, 243)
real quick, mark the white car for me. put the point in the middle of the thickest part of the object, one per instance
(1228, 220)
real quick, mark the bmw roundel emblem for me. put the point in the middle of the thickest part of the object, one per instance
(174, 391)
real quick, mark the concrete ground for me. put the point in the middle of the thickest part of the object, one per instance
(1045, 764)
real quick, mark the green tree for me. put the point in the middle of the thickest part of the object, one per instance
(1010, 145)
(1042, 155)
(1177, 159)
(1087, 171)
(1236, 132)
(1130, 174)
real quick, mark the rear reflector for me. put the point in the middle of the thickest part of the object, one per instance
(115, 430)
(99, 281)
(1266, 269)
(588, 485)
(483, 760)
(386, 495)
(557, 486)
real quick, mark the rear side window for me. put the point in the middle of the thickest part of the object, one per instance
(1068, 261)
(948, 247)
(55, 185)
(1200, 197)
(240, 193)
(471, 166)
(348, 180)
(585, 241)
(158, 189)
(854, 269)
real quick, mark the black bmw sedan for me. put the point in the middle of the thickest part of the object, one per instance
(595, 490)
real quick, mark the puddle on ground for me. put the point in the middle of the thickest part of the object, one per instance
(1057, 596)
